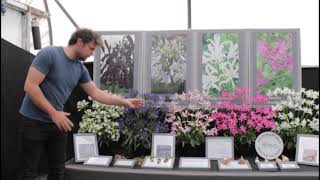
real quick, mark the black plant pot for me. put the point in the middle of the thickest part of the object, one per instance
(189, 151)
(244, 150)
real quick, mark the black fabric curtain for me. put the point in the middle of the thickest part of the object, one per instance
(310, 78)
(15, 63)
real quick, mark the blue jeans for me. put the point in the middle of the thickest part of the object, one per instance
(39, 137)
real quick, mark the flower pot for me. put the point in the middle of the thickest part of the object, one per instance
(189, 151)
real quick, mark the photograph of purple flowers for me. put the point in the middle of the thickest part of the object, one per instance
(168, 63)
(117, 63)
(220, 62)
(274, 60)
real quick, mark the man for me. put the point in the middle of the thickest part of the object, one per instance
(54, 73)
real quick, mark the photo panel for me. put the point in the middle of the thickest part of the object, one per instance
(276, 63)
(116, 63)
(167, 59)
(223, 65)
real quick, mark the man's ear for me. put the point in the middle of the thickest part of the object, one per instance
(79, 41)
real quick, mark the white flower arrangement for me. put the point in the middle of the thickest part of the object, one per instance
(100, 119)
(297, 113)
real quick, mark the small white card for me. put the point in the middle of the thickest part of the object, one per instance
(291, 165)
(267, 166)
(194, 163)
(125, 162)
(99, 160)
(158, 162)
(234, 165)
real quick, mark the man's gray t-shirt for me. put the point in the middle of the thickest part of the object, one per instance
(62, 76)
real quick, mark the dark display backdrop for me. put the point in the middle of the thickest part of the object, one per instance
(14, 66)
(310, 78)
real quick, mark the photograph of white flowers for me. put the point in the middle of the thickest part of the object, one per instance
(168, 63)
(220, 62)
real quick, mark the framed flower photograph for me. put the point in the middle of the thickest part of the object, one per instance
(85, 146)
(163, 145)
(219, 147)
(307, 151)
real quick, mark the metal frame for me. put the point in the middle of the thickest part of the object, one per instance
(76, 148)
(154, 148)
(225, 140)
(298, 146)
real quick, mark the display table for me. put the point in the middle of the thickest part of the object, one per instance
(76, 171)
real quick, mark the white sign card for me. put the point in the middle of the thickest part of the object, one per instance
(307, 149)
(194, 163)
(85, 146)
(234, 166)
(125, 163)
(288, 166)
(219, 147)
(163, 145)
(158, 162)
(99, 161)
(267, 166)
(269, 145)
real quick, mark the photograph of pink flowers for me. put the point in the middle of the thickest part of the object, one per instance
(168, 63)
(274, 60)
(220, 62)
(117, 63)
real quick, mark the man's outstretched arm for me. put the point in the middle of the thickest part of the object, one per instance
(103, 97)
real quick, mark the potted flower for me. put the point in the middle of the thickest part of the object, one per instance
(243, 118)
(137, 125)
(102, 120)
(188, 118)
(297, 113)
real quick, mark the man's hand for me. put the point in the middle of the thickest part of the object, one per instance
(134, 103)
(62, 121)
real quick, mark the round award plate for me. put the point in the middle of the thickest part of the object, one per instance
(269, 145)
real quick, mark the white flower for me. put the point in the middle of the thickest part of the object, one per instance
(290, 114)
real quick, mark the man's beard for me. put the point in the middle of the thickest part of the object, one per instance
(82, 58)
(79, 57)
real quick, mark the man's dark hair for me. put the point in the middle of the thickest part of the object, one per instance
(87, 35)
